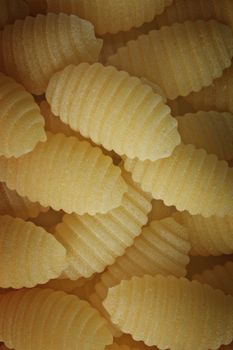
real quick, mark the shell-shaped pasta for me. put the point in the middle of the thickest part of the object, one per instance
(203, 49)
(61, 167)
(12, 10)
(21, 123)
(37, 6)
(94, 241)
(160, 210)
(190, 179)
(49, 219)
(35, 48)
(208, 236)
(28, 254)
(119, 110)
(45, 319)
(111, 16)
(168, 312)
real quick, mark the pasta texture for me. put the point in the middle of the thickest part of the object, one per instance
(159, 55)
(60, 40)
(119, 110)
(70, 323)
(21, 123)
(12, 10)
(190, 179)
(58, 168)
(160, 210)
(28, 254)
(157, 310)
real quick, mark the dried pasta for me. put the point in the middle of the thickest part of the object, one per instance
(12, 10)
(160, 210)
(60, 40)
(119, 110)
(168, 312)
(203, 184)
(160, 55)
(58, 168)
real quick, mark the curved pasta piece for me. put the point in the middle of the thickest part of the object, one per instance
(159, 55)
(60, 167)
(35, 48)
(49, 219)
(12, 10)
(190, 179)
(160, 210)
(168, 312)
(70, 323)
(119, 110)
(28, 254)
(37, 6)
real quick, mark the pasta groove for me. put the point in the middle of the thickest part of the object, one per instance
(12, 10)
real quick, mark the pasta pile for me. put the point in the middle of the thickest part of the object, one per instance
(116, 175)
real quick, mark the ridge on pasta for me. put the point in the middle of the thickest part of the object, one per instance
(21, 123)
(190, 179)
(28, 254)
(160, 210)
(119, 110)
(12, 10)
(159, 55)
(70, 323)
(60, 40)
(111, 16)
(168, 312)
(61, 167)
(95, 241)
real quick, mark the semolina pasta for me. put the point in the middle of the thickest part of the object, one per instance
(49, 219)
(157, 310)
(58, 168)
(60, 40)
(159, 55)
(12, 10)
(28, 254)
(203, 184)
(119, 110)
(160, 210)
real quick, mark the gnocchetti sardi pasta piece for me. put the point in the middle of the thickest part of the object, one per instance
(95, 241)
(111, 16)
(35, 48)
(118, 110)
(159, 210)
(70, 323)
(67, 174)
(28, 254)
(12, 10)
(202, 48)
(168, 312)
(190, 179)
(21, 123)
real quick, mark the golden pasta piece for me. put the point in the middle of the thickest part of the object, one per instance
(160, 210)
(172, 313)
(190, 179)
(48, 219)
(203, 49)
(180, 106)
(67, 174)
(28, 254)
(12, 10)
(37, 6)
(94, 241)
(119, 110)
(35, 48)
(45, 319)
(21, 123)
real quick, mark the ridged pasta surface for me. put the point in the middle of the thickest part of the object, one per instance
(93, 242)
(38, 319)
(157, 310)
(160, 210)
(21, 123)
(61, 167)
(119, 110)
(190, 179)
(12, 10)
(159, 56)
(29, 255)
(35, 48)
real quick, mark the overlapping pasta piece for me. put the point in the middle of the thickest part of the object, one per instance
(44, 319)
(12, 10)
(35, 48)
(28, 254)
(190, 179)
(168, 312)
(118, 110)
(67, 174)
(160, 210)
(160, 55)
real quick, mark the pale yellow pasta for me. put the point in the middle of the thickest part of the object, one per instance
(156, 88)
(160, 210)
(44, 319)
(172, 313)
(190, 179)
(48, 219)
(37, 6)
(12, 10)
(35, 48)
(118, 110)
(181, 58)
(57, 169)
